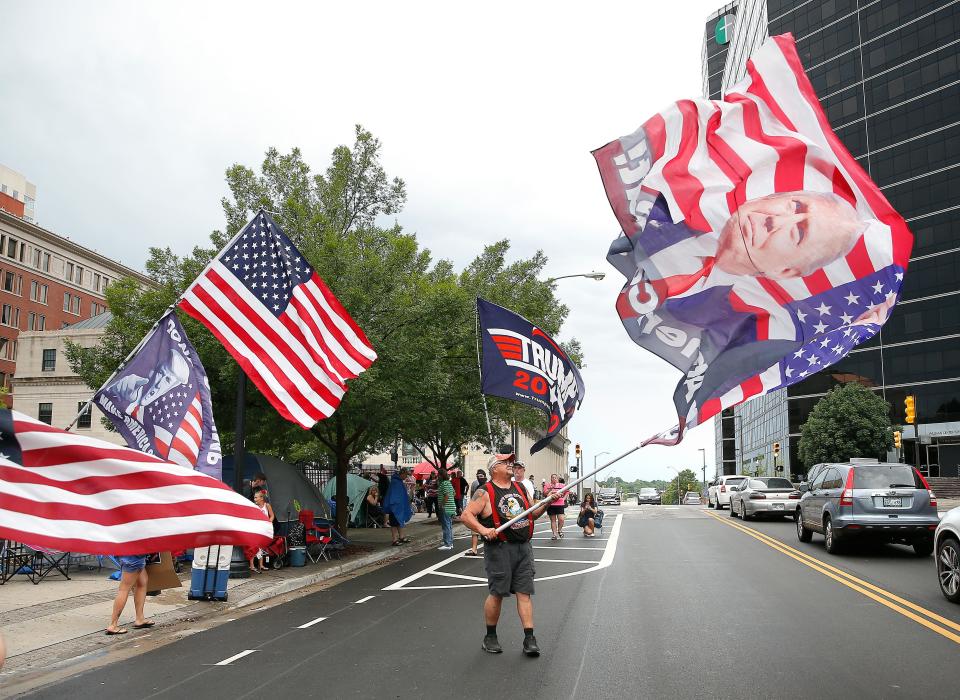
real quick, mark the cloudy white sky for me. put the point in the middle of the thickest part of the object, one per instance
(125, 115)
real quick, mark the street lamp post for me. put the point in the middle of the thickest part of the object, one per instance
(595, 469)
(704, 451)
(589, 275)
(678, 482)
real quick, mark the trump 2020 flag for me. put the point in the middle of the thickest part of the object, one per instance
(75, 493)
(280, 321)
(522, 363)
(160, 401)
(756, 250)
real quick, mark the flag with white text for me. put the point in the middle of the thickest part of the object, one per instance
(756, 249)
(160, 401)
(522, 363)
(280, 322)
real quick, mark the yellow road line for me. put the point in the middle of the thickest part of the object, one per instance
(867, 589)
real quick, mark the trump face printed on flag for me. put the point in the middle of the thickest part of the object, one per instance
(751, 240)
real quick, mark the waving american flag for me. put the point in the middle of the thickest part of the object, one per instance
(756, 250)
(281, 323)
(75, 493)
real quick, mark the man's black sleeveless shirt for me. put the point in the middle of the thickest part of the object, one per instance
(509, 504)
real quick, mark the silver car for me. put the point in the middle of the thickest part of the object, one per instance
(884, 501)
(767, 495)
(947, 542)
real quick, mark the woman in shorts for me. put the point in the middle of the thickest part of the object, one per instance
(557, 506)
(133, 575)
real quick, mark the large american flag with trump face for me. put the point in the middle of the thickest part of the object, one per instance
(756, 249)
(281, 322)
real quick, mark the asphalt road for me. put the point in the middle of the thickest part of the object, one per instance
(667, 602)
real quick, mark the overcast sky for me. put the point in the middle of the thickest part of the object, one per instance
(125, 115)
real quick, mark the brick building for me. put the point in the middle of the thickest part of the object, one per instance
(47, 282)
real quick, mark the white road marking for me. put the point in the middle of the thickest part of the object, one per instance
(364, 600)
(568, 561)
(609, 552)
(227, 662)
(311, 623)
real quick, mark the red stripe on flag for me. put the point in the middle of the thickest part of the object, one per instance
(859, 260)
(56, 455)
(686, 188)
(729, 162)
(505, 340)
(656, 130)
(791, 152)
(751, 387)
(92, 485)
(762, 315)
(780, 295)
(710, 408)
(186, 450)
(335, 363)
(818, 282)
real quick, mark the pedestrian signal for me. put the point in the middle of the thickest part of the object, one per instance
(897, 439)
(574, 470)
(910, 406)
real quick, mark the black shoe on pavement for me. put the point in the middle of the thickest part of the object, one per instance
(530, 646)
(492, 645)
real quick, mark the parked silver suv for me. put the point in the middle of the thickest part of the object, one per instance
(886, 502)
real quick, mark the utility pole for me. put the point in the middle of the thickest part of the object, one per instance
(704, 451)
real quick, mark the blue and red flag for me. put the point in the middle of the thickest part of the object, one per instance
(160, 401)
(756, 249)
(522, 363)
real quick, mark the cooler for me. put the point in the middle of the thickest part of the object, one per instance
(211, 569)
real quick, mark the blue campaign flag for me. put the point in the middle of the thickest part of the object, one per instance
(160, 401)
(522, 363)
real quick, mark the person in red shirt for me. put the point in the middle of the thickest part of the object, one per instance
(459, 489)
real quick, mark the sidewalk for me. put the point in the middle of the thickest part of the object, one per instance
(57, 621)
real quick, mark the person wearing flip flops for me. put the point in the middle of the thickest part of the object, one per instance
(133, 575)
(396, 504)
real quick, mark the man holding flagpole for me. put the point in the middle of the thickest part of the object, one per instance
(507, 555)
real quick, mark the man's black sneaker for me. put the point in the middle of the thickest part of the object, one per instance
(530, 646)
(492, 644)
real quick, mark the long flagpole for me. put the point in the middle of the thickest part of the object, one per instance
(153, 329)
(563, 491)
(486, 412)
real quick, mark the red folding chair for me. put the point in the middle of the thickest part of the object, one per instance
(318, 537)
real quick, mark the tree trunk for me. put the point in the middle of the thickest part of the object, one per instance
(343, 512)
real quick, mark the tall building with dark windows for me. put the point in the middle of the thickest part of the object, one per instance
(887, 74)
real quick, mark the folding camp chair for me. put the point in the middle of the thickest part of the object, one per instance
(318, 537)
(34, 562)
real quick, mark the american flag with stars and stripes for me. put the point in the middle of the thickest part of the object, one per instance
(74, 493)
(756, 249)
(280, 321)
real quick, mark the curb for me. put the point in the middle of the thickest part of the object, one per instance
(347, 567)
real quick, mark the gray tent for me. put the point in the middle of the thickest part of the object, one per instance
(285, 483)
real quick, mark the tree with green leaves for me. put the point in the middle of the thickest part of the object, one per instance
(850, 421)
(688, 480)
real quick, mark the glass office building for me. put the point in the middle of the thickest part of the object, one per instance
(887, 74)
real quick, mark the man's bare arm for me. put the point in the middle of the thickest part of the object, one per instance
(474, 510)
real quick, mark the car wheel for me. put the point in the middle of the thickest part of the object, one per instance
(743, 511)
(804, 534)
(733, 511)
(948, 569)
(924, 547)
(830, 539)
(719, 505)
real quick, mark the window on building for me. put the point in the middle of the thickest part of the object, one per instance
(43, 294)
(9, 282)
(49, 360)
(12, 248)
(76, 305)
(96, 282)
(106, 281)
(37, 257)
(66, 301)
(79, 278)
(45, 413)
(3, 379)
(45, 266)
(16, 317)
(41, 322)
(12, 352)
(6, 315)
(3, 188)
(16, 195)
(34, 290)
(31, 321)
(69, 271)
(83, 422)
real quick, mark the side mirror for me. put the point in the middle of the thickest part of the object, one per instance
(803, 487)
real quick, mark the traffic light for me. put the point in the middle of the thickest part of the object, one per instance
(578, 450)
(896, 439)
(910, 408)
(776, 450)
